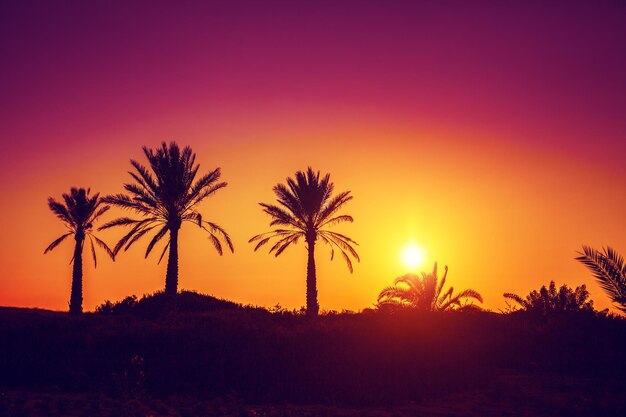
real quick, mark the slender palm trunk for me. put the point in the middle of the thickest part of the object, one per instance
(171, 277)
(312, 308)
(76, 297)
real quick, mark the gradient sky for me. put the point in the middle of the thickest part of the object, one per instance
(492, 135)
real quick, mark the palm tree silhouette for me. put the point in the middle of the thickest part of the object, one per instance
(166, 198)
(79, 212)
(550, 300)
(609, 269)
(308, 208)
(425, 293)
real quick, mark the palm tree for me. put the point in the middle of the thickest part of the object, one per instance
(425, 293)
(549, 300)
(308, 209)
(166, 198)
(609, 269)
(79, 212)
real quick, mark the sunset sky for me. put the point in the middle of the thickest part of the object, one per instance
(493, 136)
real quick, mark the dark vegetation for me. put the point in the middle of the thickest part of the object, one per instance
(420, 344)
(79, 212)
(550, 301)
(166, 196)
(215, 349)
(306, 210)
(425, 293)
(609, 269)
(154, 305)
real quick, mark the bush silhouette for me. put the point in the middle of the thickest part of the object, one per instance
(550, 300)
(156, 304)
(425, 292)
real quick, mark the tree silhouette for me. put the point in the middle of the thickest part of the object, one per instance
(609, 269)
(79, 212)
(549, 300)
(425, 292)
(308, 208)
(166, 198)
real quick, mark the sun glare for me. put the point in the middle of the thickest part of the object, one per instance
(413, 256)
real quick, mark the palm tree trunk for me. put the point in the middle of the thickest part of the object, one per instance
(312, 308)
(76, 297)
(171, 277)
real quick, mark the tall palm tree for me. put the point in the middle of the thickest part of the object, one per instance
(79, 212)
(307, 208)
(425, 293)
(166, 198)
(609, 269)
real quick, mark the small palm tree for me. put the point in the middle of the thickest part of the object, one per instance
(166, 198)
(307, 208)
(79, 212)
(609, 269)
(425, 293)
(549, 300)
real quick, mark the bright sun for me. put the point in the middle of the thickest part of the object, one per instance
(413, 256)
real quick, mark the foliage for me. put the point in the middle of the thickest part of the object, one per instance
(79, 212)
(119, 307)
(154, 305)
(306, 209)
(609, 269)
(425, 293)
(166, 198)
(549, 300)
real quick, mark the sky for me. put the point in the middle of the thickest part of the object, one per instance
(491, 135)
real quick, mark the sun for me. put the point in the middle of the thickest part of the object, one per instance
(413, 256)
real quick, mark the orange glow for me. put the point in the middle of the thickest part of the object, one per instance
(504, 228)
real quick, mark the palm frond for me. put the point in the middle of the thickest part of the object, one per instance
(122, 221)
(60, 211)
(514, 297)
(56, 242)
(93, 251)
(607, 266)
(104, 246)
(125, 202)
(98, 213)
(138, 235)
(157, 237)
(216, 243)
(214, 228)
(167, 245)
(425, 292)
(469, 293)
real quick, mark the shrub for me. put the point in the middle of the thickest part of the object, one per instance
(550, 300)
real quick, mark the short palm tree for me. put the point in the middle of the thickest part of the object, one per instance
(79, 212)
(609, 269)
(425, 292)
(550, 300)
(307, 208)
(166, 198)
